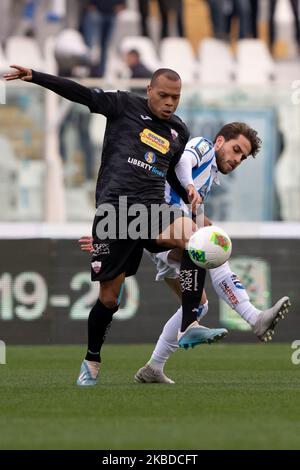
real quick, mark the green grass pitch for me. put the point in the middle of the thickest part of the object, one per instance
(225, 397)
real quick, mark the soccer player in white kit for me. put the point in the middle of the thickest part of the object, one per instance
(199, 167)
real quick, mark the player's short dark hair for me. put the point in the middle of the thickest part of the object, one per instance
(135, 52)
(169, 73)
(234, 129)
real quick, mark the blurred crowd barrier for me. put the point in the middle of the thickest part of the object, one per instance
(46, 293)
(51, 152)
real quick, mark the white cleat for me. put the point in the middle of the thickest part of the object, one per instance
(268, 319)
(147, 375)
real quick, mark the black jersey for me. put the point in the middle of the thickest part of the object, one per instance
(138, 149)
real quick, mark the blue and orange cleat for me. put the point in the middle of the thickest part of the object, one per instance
(196, 334)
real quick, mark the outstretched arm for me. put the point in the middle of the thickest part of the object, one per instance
(62, 86)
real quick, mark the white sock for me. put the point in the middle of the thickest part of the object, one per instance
(228, 286)
(203, 309)
(167, 342)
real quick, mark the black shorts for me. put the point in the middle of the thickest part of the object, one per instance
(121, 254)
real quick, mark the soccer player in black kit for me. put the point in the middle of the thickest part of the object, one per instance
(143, 141)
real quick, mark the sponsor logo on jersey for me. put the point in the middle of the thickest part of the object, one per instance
(155, 141)
(101, 249)
(146, 166)
(96, 265)
(146, 118)
(150, 157)
(220, 240)
(199, 154)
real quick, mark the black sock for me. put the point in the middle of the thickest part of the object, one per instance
(191, 282)
(100, 319)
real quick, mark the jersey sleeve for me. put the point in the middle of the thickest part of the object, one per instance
(184, 168)
(200, 148)
(110, 104)
(192, 148)
(172, 178)
(184, 137)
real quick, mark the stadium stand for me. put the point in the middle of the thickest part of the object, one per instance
(214, 55)
(3, 60)
(178, 54)
(49, 54)
(70, 50)
(209, 63)
(255, 64)
(31, 182)
(25, 50)
(9, 174)
(145, 47)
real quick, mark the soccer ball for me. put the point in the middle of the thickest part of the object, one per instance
(209, 247)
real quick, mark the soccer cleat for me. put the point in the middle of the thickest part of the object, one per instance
(268, 319)
(196, 334)
(88, 375)
(147, 375)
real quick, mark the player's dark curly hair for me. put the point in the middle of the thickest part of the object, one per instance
(234, 129)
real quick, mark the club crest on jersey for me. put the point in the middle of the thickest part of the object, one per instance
(155, 141)
(96, 265)
(203, 148)
(220, 240)
(150, 157)
(174, 134)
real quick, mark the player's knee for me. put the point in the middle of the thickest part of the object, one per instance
(110, 300)
(110, 294)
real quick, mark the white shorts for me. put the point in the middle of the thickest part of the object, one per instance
(166, 268)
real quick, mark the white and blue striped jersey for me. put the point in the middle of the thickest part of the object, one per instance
(204, 170)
